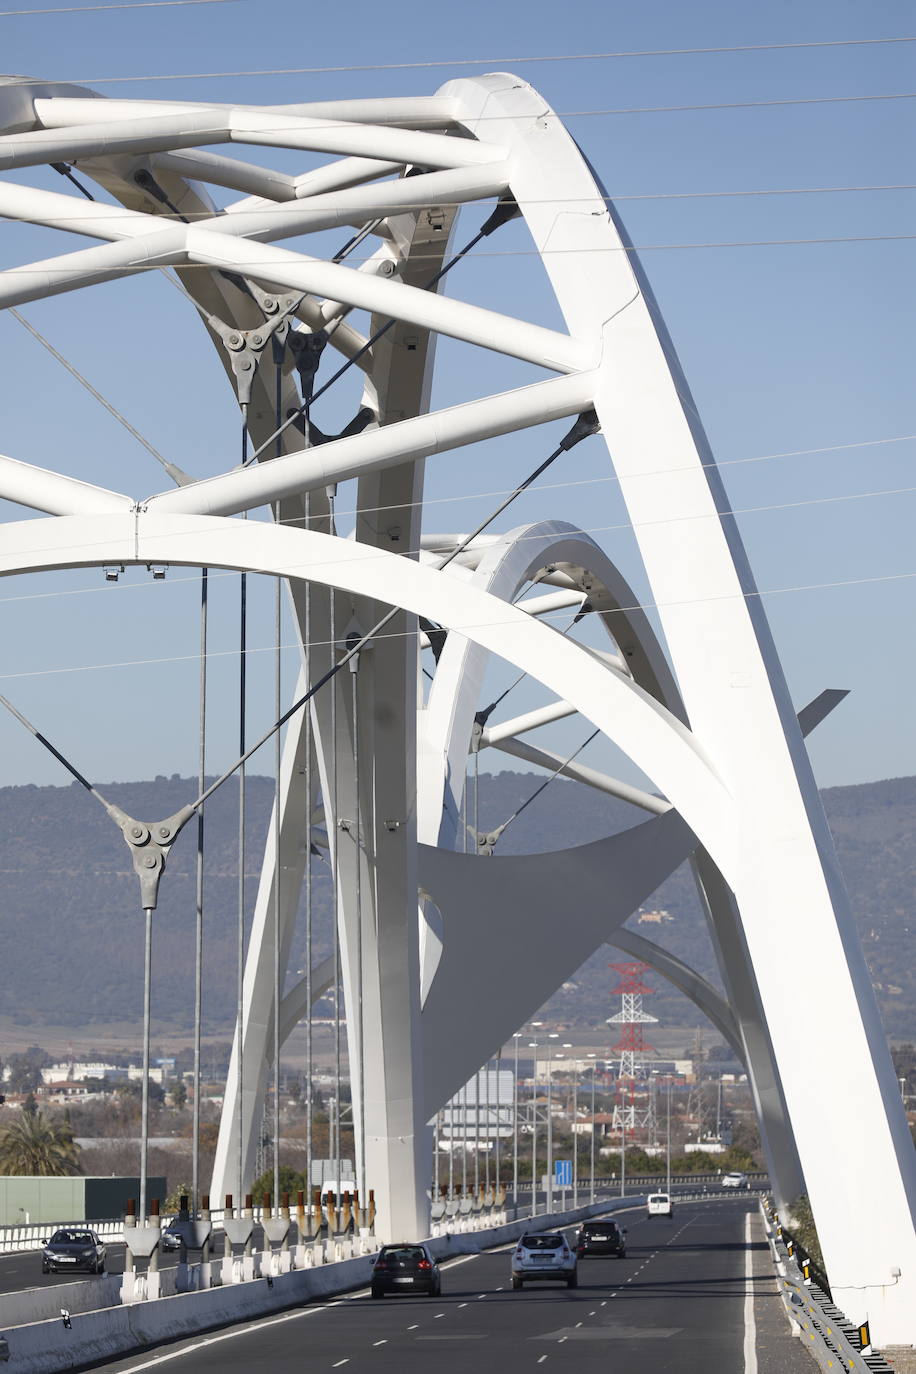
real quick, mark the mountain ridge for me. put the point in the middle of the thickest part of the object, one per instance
(65, 876)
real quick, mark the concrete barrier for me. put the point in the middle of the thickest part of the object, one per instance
(47, 1346)
(38, 1304)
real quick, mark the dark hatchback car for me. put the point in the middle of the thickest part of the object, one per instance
(601, 1238)
(171, 1236)
(73, 1248)
(405, 1269)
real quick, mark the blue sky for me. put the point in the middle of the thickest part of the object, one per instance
(792, 343)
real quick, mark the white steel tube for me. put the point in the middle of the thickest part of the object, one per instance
(544, 347)
(309, 214)
(71, 271)
(47, 491)
(553, 601)
(212, 125)
(377, 449)
(264, 183)
(580, 772)
(531, 720)
(93, 219)
(60, 112)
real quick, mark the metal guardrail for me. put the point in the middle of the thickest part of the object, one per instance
(832, 1339)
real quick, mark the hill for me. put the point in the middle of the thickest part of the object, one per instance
(71, 928)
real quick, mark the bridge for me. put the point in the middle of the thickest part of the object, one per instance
(377, 747)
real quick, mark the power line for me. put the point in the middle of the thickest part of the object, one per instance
(486, 61)
(170, 468)
(50, 221)
(138, 5)
(595, 529)
(633, 607)
(590, 530)
(267, 263)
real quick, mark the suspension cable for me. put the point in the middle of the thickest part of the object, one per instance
(240, 890)
(497, 834)
(587, 424)
(199, 895)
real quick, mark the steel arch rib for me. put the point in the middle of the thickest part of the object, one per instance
(443, 735)
(742, 778)
(735, 694)
(653, 738)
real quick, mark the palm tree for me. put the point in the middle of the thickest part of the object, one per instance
(33, 1146)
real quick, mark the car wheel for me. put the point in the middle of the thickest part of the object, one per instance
(377, 1292)
(45, 1268)
(572, 1281)
(516, 1282)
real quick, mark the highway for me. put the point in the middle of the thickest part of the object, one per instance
(692, 1294)
(22, 1269)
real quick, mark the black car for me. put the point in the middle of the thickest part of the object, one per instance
(405, 1269)
(601, 1238)
(73, 1248)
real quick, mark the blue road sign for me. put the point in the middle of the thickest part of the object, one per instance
(562, 1173)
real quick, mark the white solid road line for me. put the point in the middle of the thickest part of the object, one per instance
(239, 1331)
(750, 1325)
(275, 1321)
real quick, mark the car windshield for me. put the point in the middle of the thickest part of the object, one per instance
(71, 1238)
(542, 1242)
(403, 1252)
(659, 1197)
(602, 1232)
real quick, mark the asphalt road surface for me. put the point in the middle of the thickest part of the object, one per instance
(22, 1269)
(694, 1295)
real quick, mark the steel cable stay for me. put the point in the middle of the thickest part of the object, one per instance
(167, 831)
(486, 843)
(506, 209)
(151, 862)
(199, 894)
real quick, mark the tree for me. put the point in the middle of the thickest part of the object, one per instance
(33, 1145)
(291, 1181)
(25, 1069)
(179, 1094)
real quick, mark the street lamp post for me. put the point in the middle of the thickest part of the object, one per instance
(623, 1140)
(552, 1035)
(668, 1136)
(575, 1162)
(516, 1037)
(591, 1189)
(533, 1045)
(451, 1149)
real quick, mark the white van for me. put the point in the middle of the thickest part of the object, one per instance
(659, 1205)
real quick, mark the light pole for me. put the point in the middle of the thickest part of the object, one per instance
(533, 1045)
(668, 1136)
(516, 1037)
(591, 1190)
(552, 1035)
(623, 1140)
(451, 1149)
(575, 1063)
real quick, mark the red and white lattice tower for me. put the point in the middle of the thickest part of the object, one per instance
(631, 1018)
(631, 1046)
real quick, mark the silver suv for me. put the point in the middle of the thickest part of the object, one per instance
(544, 1256)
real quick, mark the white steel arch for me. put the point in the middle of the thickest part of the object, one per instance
(737, 775)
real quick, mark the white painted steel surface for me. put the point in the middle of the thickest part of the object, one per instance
(722, 748)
